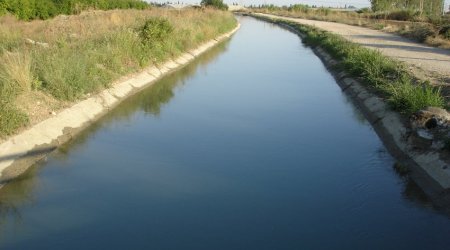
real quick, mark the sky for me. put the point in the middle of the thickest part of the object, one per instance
(325, 3)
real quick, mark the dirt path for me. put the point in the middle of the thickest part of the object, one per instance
(425, 62)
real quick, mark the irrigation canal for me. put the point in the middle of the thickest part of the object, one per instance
(252, 146)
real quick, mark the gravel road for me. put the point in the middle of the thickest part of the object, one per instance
(425, 62)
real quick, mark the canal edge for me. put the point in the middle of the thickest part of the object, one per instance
(19, 152)
(427, 169)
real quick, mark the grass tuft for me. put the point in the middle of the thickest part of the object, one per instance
(15, 72)
(408, 98)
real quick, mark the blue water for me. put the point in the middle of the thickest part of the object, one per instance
(252, 146)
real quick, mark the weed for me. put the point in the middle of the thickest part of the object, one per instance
(421, 32)
(155, 30)
(371, 65)
(408, 98)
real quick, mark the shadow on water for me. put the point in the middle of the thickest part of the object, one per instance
(19, 192)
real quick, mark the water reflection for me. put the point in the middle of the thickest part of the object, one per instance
(15, 195)
(150, 100)
(19, 192)
(414, 193)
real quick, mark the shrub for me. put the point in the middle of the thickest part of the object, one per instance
(421, 32)
(444, 31)
(218, 4)
(403, 15)
(155, 30)
(364, 10)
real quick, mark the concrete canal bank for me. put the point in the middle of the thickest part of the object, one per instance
(19, 152)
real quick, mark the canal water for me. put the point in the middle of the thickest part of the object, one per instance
(252, 146)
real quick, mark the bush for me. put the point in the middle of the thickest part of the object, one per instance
(218, 4)
(155, 30)
(444, 31)
(364, 10)
(446, 35)
(403, 15)
(421, 32)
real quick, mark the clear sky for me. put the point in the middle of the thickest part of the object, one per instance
(334, 3)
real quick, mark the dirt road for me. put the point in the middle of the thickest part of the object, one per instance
(425, 62)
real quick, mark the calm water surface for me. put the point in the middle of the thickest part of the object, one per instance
(253, 146)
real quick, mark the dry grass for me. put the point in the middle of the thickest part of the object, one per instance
(95, 24)
(68, 57)
(15, 71)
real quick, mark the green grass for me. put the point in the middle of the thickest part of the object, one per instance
(387, 76)
(11, 119)
(409, 98)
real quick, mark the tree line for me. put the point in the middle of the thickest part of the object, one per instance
(44, 9)
(426, 7)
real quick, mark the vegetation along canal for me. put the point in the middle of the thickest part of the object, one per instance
(252, 146)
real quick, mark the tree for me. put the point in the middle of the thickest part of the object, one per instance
(215, 3)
